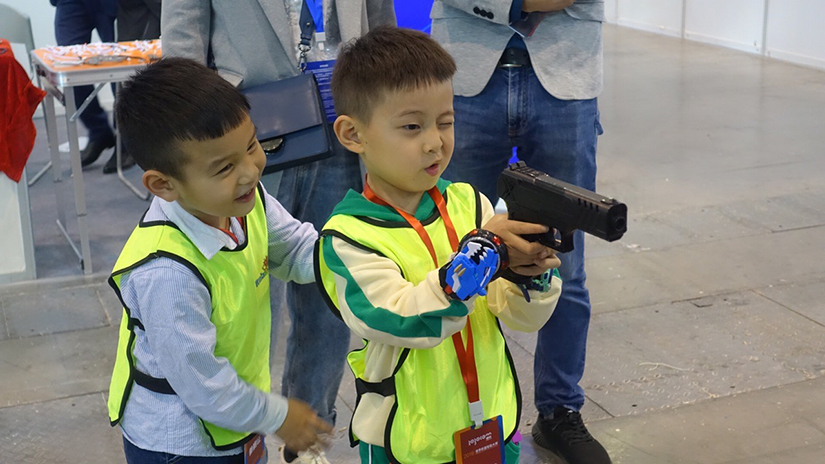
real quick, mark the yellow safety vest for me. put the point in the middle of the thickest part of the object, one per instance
(430, 395)
(238, 284)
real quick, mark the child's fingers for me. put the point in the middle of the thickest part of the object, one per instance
(521, 228)
(537, 267)
(321, 426)
(547, 253)
(523, 246)
(324, 440)
(544, 264)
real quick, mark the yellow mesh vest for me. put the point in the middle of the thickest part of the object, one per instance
(430, 394)
(238, 283)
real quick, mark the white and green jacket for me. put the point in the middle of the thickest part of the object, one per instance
(377, 274)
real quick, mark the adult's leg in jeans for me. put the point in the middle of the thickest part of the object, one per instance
(318, 341)
(482, 144)
(73, 24)
(560, 138)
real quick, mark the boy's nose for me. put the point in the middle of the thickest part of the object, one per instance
(250, 173)
(433, 142)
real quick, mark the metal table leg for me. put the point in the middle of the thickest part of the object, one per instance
(143, 195)
(57, 172)
(41, 171)
(73, 119)
(54, 155)
(48, 165)
(79, 188)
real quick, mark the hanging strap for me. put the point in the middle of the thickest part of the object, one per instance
(307, 26)
(466, 357)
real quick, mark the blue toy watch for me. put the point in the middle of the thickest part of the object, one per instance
(480, 258)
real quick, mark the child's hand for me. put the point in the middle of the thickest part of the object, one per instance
(546, 259)
(301, 427)
(526, 258)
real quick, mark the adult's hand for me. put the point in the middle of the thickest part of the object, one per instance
(545, 5)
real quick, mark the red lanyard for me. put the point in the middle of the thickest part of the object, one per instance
(229, 232)
(466, 358)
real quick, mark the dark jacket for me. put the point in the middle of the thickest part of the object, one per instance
(138, 19)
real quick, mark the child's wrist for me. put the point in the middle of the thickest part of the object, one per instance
(540, 283)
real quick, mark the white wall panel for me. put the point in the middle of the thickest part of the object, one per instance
(16, 248)
(662, 16)
(611, 11)
(731, 23)
(795, 31)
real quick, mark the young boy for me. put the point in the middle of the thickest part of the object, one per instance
(393, 263)
(191, 376)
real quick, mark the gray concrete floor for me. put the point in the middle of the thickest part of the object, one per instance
(707, 343)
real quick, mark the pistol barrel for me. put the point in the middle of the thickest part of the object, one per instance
(534, 196)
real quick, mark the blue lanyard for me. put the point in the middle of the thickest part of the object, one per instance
(316, 9)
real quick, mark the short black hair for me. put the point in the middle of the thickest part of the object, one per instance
(386, 58)
(171, 101)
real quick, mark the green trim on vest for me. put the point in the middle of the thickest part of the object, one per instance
(427, 325)
(354, 204)
(238, 284)
(424, 380)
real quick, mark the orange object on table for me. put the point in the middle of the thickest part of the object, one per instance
(18, 100)
(99, 55)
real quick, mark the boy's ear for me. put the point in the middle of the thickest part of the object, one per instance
(346, 129)
(159, 185)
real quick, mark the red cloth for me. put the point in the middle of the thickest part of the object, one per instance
(18, 100)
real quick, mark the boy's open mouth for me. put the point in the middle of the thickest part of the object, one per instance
(246, 196)
(432, 169)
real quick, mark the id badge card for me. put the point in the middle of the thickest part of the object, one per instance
(480, 445)
(254, 451)
(323, 76)
(525, 27)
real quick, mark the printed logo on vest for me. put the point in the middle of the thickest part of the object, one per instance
(264, 271)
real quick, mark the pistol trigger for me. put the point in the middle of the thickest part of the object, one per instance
(548, 238)
(566, 242)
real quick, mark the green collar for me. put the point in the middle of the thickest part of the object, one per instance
(354, 204)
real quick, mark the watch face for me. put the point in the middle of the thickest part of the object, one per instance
(270, 146)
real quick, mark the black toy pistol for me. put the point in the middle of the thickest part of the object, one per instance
(534, 196)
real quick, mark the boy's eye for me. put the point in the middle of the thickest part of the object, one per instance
(446, 124)
(225, 168)
(411, 126)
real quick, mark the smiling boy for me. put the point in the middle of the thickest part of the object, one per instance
(191, 377)
(391, 264)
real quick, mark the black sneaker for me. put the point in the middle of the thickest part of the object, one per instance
(126, 160)
(567, 437)
(94, 148)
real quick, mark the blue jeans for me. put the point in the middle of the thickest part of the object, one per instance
(135, 455)
(559, 138)
(74, 21)
(318, 341)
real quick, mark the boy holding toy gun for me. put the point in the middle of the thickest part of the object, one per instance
(411, 266)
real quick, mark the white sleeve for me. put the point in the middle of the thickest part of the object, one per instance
(379, 304)
(291, 244)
